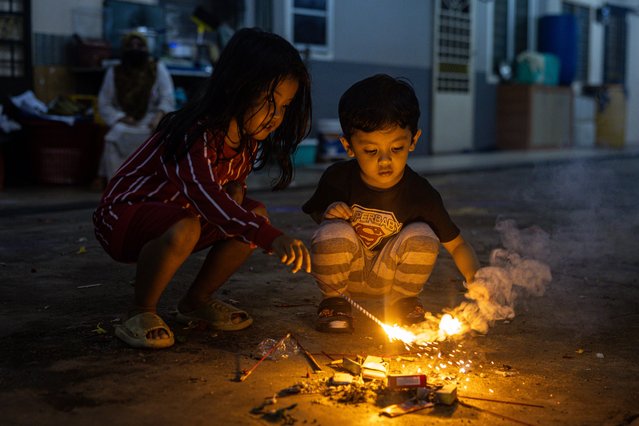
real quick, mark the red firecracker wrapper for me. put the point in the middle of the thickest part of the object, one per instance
(396, 381)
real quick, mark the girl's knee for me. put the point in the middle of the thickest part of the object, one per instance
(184, 234)
(261, 211)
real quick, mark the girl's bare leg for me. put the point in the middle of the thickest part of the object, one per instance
(223, 259)
(158, 261)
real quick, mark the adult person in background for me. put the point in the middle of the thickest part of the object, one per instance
(134, 97)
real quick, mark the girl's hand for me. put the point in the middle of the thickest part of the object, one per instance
(292, 251)
(338, 210)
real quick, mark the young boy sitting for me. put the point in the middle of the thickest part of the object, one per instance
(380, 222)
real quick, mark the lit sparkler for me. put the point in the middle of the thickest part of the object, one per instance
(394, 332)
(448, 325)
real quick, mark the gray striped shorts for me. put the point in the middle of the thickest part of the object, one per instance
(399, 269)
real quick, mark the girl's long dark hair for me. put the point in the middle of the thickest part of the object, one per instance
(252, 64)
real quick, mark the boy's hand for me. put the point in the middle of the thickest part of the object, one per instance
(464, 257)
(292, 251)
(338, 210)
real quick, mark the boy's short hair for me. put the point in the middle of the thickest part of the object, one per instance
(377, 103)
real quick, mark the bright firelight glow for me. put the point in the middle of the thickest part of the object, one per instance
(395, 332)
(449, 325)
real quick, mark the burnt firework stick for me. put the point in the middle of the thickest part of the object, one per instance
(316, 367)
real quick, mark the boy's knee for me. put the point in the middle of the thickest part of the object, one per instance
(423, 244)
(334, 236)
(334, 228)
(419, 237)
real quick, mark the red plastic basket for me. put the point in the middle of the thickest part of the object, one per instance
(63, 154)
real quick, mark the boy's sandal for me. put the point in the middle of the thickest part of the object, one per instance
(134, 331)
(217, 315)
(334, 315)
(408, 310)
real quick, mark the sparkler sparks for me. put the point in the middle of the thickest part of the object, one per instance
(396, 332)
(449, 325)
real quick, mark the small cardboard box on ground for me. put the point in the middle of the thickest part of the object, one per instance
(374, 367)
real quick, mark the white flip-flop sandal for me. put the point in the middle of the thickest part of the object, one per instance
(134, 330)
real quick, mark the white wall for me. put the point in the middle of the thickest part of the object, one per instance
(482, 39)
(632, 76)
(549, 7)
(380, 32)
(596, 63)
(384, 31)
(56, 16)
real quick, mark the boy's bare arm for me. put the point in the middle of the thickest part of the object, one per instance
(464, 256)
(317, 217)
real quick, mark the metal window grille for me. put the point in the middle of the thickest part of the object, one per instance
(615, 47)
(510, 30)
(454, 47)
(12, 42)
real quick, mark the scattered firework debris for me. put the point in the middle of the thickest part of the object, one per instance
(439, 364)
(396, 385)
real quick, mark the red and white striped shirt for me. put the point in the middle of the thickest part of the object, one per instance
(194, 183)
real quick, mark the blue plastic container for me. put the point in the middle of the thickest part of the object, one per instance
(558, 35)
(306, 153)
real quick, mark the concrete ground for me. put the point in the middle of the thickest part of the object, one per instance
(568, 357)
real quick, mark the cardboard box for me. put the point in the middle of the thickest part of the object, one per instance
(447, 395)
(374, 367)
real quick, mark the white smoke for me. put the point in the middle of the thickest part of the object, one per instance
(582, 203)
(515, 270)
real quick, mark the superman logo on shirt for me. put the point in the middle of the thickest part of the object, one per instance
(372, 226)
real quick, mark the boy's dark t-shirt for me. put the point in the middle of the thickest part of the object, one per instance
(380, 214)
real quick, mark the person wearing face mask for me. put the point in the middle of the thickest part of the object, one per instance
(133, 98)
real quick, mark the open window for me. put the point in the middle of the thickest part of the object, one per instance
(309, 26)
